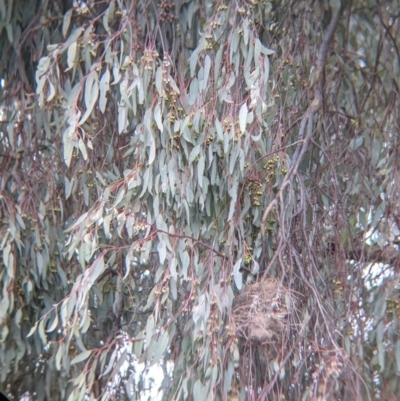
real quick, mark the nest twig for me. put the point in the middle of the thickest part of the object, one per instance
(260, 312)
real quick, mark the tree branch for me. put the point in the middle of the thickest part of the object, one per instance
(306, 121)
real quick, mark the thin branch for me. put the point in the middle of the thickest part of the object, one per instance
(306, 121)
(196, 241)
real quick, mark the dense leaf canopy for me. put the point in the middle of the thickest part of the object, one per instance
(207, 186)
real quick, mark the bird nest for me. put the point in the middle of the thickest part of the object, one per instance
(261, 312)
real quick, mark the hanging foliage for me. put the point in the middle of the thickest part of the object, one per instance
(206, 187)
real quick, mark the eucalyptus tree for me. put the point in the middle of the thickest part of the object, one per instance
(206, 186)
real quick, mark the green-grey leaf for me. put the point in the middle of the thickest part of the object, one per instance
(237, 275)
(81, 357)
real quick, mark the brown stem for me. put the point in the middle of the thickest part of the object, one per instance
(306, 121)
